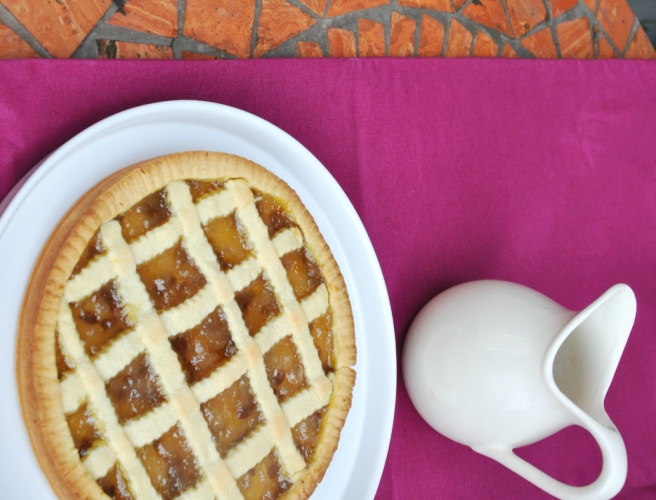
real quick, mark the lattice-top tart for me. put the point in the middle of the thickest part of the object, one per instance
(186, 334)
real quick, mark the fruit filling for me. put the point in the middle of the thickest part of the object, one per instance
(305, 433)
(264, 481)
(303, 272)
(63, 366)
(284, 369)
(83, 429)
(227, 238)
(272, 213)
(258, 304)
(99, 318)
(232, 415)
(322, 335)
(200, 189)
(93, 249)
(135, 390)
(114, 485)
(170, 464)
(204, 348)
(149, 213)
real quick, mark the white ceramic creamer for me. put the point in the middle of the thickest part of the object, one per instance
(495, 366)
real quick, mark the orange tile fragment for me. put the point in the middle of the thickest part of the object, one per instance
(509, 52)
(442, 5)
(371, 38)
(12, 46)
(159, 17)
(339, 7)
(110, 49)
(575, 39)
(590, 4)
(458, 3)
(308, 49)
(484, 46)
(489, 13)
(525, 15)
(431, 37)
(224, 24)
(58, 25)
(560, 6)
(604, 48)
(316, 6)
(195, 56)
(402, 36)
(541, 44)
(341, 43)
(616, 17)
(641, 47)
(459, 42)
(279, 21)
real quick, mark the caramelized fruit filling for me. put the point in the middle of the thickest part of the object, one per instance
(322, 335)
(114, 485)
(135, 389)
(83, 429)
(63, 366)
(199, 189)
(232, 415)
(226, 236)
(99, 318)
(264, 481)
(305, 433)
(171, 278)
(257, 303)
(272, 213)
(303, 272)
(204, 348)
(93, 249)
(284, 370)
(148, 214)
(170, 464)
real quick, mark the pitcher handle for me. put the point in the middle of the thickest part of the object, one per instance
(606, 486)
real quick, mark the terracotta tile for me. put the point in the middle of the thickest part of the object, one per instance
(341, 43)
(442, 5)
(308, 49)
(509, 52)
(159, 17)
(641, 47)
(339, 7)
(402, 36)
(541, 44)
(489, 13)
(616, 17)
(484, 46)
(316, 6)
(431, 37)
(194, 56)
(525, 15)
(458, 3)
(279, 21)
(58, 25)
(560, 6)
(224, 24)
(590, 4)
(110, 49)
(459, 42)
(575, 39)
(604, 48)
(371, 38)
(12, 46)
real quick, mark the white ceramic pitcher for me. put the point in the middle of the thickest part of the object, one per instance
(495, 365)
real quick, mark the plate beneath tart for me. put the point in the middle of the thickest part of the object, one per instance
(32, 211)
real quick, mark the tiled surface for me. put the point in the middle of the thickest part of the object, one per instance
(208, 29)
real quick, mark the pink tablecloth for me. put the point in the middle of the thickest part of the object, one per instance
(539, 172)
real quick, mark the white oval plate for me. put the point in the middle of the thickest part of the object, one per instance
(169, 127)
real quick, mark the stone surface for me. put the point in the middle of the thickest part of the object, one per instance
(489, 13)
(111, 49)
(308, 49)
(12, 46)
(442, 5)
(58, 25)
(339, 7)
(279, 21)
(159, 17)
(641, 47)
(575, 39)
(316, 6)
(431, 37)
(559, 7)
(484, 46)
(525, 15)
(371, 38)
(341, 43)
(224, 24)
(541, 44)
(459, 42)
(402, 36)
(616, 17)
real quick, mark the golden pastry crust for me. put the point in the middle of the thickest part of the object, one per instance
(38, 383)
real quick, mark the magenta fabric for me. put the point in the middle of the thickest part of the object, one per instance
(538, 172)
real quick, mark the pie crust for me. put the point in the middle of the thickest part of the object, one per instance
(61, 371)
